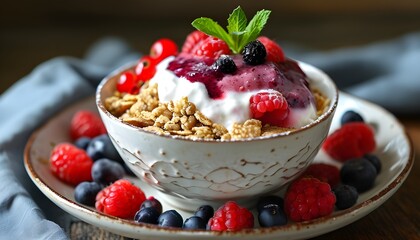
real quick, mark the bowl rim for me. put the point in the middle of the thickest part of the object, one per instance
(323, 117)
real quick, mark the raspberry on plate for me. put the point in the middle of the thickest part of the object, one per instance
(307, 199)
(70, 164)
(324, 172)
(274, 51)
(86, 124)
(231, 217)
(211, 47)
(120, 199)
(352, 140)
(270, 107)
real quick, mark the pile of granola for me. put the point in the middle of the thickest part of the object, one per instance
(182, 118)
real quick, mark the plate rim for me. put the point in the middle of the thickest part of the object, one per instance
(154, 230)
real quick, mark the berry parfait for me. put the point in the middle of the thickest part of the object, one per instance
(216, 139)
(226, 117)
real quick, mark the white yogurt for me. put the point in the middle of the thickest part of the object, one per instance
(232, 108)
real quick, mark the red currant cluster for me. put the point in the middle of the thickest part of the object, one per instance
(131, 81)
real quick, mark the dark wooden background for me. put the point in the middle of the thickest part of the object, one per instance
(32, 32)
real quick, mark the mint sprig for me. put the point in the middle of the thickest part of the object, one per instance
(239, 33)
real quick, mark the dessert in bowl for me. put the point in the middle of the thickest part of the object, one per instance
(214, 122)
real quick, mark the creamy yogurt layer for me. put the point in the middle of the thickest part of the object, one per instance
(231, 105)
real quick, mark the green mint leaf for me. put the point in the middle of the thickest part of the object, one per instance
(212, 28)
(240, 32)
(254, 27)
(237, 22)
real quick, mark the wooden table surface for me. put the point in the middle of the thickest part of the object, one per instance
(55, 31)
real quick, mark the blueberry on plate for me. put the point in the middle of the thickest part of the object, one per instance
(375, 161)
(105, 171)
(147, 215)
(195, 222)
(85, 193)
(153, 203)
(170, 218)
(272, 215)
(205, 212)
(267, 200)
(359, 173)
(102, 147)
(351, 116)
(82, 142)
(346, 196)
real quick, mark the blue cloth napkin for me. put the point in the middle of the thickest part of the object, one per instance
(387, 73)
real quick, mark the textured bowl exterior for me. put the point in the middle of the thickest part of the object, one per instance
(211, 171)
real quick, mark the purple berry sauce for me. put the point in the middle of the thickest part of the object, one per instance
(287, 78)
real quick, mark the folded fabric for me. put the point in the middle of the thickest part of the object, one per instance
(385, 73)
(25, 106)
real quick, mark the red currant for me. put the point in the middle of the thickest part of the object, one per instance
(128, 83)
(162, 49)
(146, 68)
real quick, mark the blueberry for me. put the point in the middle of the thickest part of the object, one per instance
(375, 161)
(272, 215)
(351, 116)
(359, 173)
(346, 196)
(254, 53)
(147, 215)
(225, 64)
(105, 171)
(170, 218)
(267, 200)
(82, 142)
(153, 203)
(102, 147)
(195, 222)
(85, 193)
(205, 212)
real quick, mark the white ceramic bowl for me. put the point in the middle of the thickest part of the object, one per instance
(193, 172)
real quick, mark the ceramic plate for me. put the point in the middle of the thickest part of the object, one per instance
(394, 148)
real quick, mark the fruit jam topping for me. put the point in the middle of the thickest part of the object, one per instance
(285, 77)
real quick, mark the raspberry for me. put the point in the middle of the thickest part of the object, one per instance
(70, 164)
(86, 124)
(231, 217)
(120, 199)
(211, 47)
(193, 39)
(324, 172)
(274, 51)
(270, 107)
(352, 140)
(307, 199)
